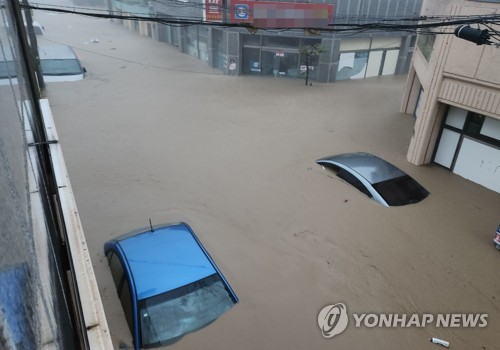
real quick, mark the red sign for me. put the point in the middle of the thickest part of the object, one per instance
(213, 10)
(264, 14)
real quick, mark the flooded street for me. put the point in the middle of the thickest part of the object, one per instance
(153, 133)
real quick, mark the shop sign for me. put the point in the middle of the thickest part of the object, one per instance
(213, 10)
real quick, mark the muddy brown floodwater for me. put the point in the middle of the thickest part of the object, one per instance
(152, 133)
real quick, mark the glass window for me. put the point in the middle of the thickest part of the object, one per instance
(220, 56)
(418, 105)
(126, 300)
(60, 67)
(413, 41)
(116, 268)
(203, 33)
(267, 63)
(163, 33)
(174, 32)
(289, 64)
(401, 191)
(276, 41)
(251, 39)
(167, 316)
(374, 63)
(474, 123)
(192, 41)
(351, 179)
(355, 44)
(352, 65)
(7, 69)
(203, 51)
(251, 61)
(309, 42)
(390, 62)
(385, 43)
(192, 31)
(425, 43)
(408, 62)
(447, 147)
(456, 117)
(491, 128)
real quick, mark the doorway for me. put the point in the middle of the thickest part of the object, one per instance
(280, 63)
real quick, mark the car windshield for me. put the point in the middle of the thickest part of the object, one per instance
(7, 69)
(60, 67)
(401, 191)
(166, 317)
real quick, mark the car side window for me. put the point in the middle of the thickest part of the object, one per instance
(126, 300)
(116, 268)
(347, 176)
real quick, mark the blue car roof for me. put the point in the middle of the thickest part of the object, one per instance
(164, 259)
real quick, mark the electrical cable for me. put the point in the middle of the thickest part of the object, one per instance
(415, 24)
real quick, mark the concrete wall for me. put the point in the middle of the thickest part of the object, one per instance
(471, 61)
(458, 73)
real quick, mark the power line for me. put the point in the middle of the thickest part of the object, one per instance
(202, 6)
(413, 24)
(435, 24)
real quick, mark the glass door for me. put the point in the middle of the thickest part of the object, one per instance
(280, 63)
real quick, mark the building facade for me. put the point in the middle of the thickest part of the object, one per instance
(453, 90)
(49, 297)
(236, 51)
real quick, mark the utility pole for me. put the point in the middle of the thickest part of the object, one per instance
(46, 181)
(224, 12)
(110, 9)
(33, 44)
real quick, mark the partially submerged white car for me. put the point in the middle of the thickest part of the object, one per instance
(58, 63)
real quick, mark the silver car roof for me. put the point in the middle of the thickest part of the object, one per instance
(63, 52)
(372, 168)
(46, 52)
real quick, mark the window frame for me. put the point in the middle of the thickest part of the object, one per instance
(129, 316)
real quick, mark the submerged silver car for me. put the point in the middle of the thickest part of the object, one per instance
(376, 178)
(57, 62)
(60, 63)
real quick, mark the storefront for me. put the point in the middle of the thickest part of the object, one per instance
(271, 52)
(368, 57)
(168, 34)
(469, 145)
(197, 42)
(275, 56)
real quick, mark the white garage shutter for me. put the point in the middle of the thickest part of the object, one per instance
(479, 163)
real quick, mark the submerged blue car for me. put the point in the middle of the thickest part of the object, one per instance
(167, 283)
